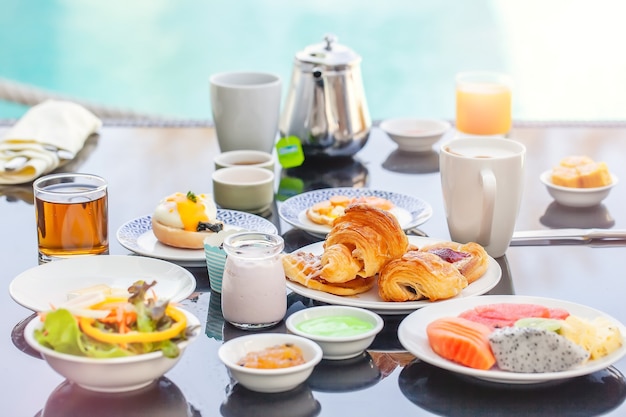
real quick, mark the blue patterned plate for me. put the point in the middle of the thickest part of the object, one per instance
(137, 236)
(410, 211)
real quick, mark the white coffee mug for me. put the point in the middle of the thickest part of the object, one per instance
(246, 108)
(482, 183)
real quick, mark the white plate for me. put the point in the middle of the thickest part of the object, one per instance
(372, 301)
(48, 285)
(410, 211)
(412, 335)
(137, 236)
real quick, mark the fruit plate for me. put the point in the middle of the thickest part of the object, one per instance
(372, 301)
(412, 335)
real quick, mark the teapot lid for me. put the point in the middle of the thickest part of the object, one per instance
(328, 53)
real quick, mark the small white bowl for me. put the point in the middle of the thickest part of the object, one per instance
(269, 380)
(248, 158)
(337, 347)
(109, 374)
(415, 135)
(244, 188)
(577, 197)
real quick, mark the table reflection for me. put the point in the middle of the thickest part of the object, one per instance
(559, 216)
(214, 319)
(16, 193)
(17, 337)
(161, 398)
(445, 393)
(296, 239)
(318, 173)
(412, 162)
(241, 402)
(345, 375)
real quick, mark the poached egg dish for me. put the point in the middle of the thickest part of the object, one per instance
(184, 220)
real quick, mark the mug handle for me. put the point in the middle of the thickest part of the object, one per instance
(489, 200)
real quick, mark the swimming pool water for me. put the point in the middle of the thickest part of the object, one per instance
(155, 56)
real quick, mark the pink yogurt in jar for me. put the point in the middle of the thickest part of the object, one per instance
(254, 293)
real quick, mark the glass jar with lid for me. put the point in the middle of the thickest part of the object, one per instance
(254, 291)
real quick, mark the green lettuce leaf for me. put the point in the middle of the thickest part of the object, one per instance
(61, 333)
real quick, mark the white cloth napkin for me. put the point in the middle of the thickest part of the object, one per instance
(61, 124)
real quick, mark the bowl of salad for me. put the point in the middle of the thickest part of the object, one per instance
(113, 344)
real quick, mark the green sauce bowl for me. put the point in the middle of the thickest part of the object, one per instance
(342, 332)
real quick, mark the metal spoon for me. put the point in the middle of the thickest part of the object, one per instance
(15, 164)
(61, 153)
(18, 162)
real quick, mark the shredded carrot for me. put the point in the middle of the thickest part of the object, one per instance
(86, 324)
(121, 317)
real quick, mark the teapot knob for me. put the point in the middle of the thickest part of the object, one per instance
(329, 39)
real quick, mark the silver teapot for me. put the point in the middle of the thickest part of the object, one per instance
(325, 105)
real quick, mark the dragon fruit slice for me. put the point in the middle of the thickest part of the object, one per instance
(528, 350)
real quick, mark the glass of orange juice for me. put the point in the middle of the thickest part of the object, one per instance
(483, 103)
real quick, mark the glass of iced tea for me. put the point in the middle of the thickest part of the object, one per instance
(483, 103)
(72, 215)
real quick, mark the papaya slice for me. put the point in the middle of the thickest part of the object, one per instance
(462, 341)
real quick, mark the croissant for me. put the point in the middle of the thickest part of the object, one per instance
(304, 268)
(360, 243)
(470, 259)
(418, 275)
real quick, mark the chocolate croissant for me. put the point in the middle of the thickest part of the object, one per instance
(419, 275)
(360, 243)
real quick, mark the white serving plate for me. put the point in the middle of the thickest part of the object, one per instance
(47, 285)
(412, 335)
(372, 301)
(409, 211)
(137, 236)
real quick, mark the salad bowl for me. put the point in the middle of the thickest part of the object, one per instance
(117, 374)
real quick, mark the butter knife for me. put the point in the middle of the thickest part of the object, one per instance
(585, 235)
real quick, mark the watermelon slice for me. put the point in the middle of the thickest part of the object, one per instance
(506, 314)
